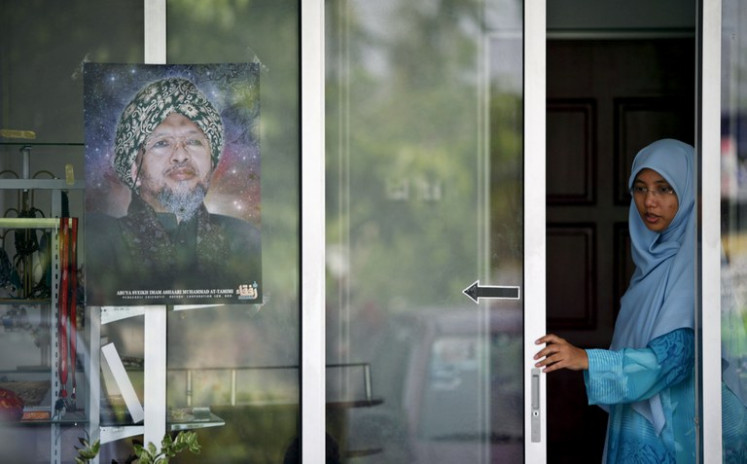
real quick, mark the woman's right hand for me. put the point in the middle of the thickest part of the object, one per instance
(559, 354)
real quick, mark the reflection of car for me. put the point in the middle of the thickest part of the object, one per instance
(463, 391)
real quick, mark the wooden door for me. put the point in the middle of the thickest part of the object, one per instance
(606, 100)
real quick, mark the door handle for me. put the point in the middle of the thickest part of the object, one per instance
(535, 419)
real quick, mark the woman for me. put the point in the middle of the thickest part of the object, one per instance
(645, 379)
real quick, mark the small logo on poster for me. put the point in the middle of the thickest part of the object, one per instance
(247, 292)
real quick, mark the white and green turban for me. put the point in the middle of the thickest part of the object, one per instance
(150, 107)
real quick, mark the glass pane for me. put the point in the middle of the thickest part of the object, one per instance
(240, 361)
(733, 228)
(424, 197)
(237, 363)
(46, 407)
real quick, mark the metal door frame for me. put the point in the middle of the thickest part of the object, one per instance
(313, 240)
(708, 147)
(535, 249)
(313, 407)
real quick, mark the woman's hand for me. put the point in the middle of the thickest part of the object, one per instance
(559, 354)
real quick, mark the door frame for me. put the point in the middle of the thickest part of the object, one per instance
(313, 237)
(535, 237)
(708, 146)
(313, 269)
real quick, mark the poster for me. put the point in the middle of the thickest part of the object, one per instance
(172, 165)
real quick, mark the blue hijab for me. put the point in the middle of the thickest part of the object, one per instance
(661, 295)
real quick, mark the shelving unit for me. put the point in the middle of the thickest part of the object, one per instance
(153, 422)
(153, 414)
(24, 311)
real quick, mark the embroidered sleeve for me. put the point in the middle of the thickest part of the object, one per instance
(631, 375)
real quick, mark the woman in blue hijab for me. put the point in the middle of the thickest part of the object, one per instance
(645, 379)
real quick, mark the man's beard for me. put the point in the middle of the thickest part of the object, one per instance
(183, 202)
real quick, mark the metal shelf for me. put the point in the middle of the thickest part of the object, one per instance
(87, 414)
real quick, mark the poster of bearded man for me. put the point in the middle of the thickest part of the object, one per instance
(173, 201)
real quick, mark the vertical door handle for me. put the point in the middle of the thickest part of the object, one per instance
(535, 419)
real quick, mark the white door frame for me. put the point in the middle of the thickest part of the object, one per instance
(708, 137)
(313, 355)
(313, 241)
(535, 250)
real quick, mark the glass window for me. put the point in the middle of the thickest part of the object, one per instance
(424, 197)
(47, 402)
(243, 359)
(232, 371)
(733, 229)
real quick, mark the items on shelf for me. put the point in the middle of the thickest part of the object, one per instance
(30, 252)
(17, 134)
(28, 274)
(11, 406)
(39, 270)
(67, 320)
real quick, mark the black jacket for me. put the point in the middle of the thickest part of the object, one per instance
(147, 258)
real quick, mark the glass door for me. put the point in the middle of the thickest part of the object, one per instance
(725, 260)
(435, 193)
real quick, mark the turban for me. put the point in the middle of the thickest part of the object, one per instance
(150, 107)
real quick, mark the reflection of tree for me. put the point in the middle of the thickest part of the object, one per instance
(403, 135)
(57, 38)
(264, 31)
(734, 43)
(734, 269)
(734, 88)
(403, 144)
(506, 183)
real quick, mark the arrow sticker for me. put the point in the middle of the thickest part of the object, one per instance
(475, 291)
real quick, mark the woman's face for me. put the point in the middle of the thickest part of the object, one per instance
(654, 199)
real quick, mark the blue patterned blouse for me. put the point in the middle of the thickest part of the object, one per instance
(616, 379)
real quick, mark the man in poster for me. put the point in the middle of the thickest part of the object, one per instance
(167, 248)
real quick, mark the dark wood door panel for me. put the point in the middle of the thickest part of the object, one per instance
(571, 158)
(571, 290)
(641, 120)
(607, 99)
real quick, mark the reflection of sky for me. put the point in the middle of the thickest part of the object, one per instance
(233, 89)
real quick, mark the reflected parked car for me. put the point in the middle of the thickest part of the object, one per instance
(460, 389)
